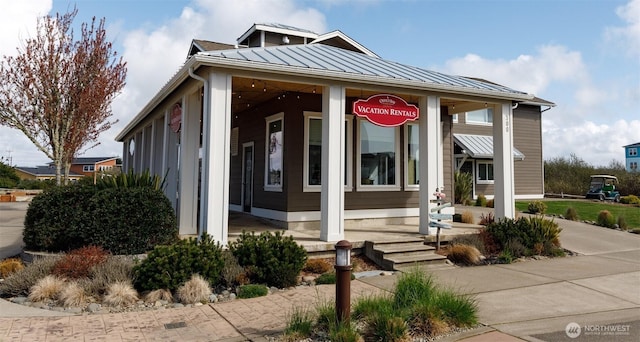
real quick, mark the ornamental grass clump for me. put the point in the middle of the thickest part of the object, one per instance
(47, 289)
(121, 293)
(606, 219)
(73, 295)
(571, 214)
(467, 217)
(195, 290)
(464, 255)
(19, 283)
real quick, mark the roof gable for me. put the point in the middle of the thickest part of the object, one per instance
(633, 145)
(341, 40)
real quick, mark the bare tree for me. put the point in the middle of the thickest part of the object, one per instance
(58, 91)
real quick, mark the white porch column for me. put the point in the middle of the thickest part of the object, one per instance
(332, 197)
(189, 145)
(503, 161)
(429, 125)
(216, 148)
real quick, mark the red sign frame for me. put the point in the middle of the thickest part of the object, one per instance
(386, 110)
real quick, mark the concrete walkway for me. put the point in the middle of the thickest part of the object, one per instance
(598, 290)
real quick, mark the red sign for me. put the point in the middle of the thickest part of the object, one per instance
(176, 118)
(386, 110)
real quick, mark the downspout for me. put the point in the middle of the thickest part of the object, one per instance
(205, 104)
(515, 106)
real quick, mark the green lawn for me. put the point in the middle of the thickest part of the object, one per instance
(588, 210)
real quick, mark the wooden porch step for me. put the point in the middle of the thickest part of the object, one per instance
(392, 254)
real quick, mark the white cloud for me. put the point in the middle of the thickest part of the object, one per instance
(628, 37)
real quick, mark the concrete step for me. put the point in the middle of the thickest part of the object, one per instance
(388, 249)
(402, 261)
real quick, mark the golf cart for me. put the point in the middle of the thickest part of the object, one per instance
(603, 187)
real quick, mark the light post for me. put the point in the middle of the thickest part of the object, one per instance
(343, 280)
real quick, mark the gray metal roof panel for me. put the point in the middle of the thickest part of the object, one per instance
(480, 146)
(324, 57)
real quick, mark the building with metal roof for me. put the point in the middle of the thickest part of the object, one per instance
(312, 130)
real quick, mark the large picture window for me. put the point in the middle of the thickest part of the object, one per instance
(377, 157)
(485, 172)
(274, 152)
(412, 161)
(313, 152)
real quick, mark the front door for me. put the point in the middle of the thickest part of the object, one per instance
(247, 176)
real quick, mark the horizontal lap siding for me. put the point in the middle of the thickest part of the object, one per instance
(527, 132)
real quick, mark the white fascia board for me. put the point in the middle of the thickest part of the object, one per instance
(267, 28)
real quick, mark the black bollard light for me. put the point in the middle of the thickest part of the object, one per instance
(343, 281)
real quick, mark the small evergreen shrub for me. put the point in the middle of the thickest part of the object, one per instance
(622, 223)
(467, 217)
(490, 245)
(605, 219)
(481, 201)
(271, 259)
(78, 262)
(326, 278)
(11, 265)
(537, 207)
(505, 257)
(317, 266)
(464, 255)
(252, 291)
(232, 273)
(168, 267)
(521, 236)
(571, 214)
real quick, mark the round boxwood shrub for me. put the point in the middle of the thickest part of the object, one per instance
(170, 266)
(55, 219)
(271, 259)
(131, 220)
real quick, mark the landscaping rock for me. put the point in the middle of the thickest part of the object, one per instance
(19, 300)
(178, 305)
(94, 307)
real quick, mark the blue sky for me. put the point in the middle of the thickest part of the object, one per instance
(584, 55)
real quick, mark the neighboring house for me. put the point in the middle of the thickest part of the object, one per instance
(284, 127)
(632, 157)
(473, 148)
(42, 173)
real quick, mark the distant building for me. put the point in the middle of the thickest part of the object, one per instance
(80, 167)
(632, 157)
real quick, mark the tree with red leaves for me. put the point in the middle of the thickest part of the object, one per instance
(58, 91)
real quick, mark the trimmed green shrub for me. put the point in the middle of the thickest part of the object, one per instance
(252, 291)
(271, 259)
(168, 267)
(122, 221)
(528, 232)
(571, 214)
(606, 219)
(631, 199)
(8, 176)
(326, 278)
(59, 219)
(537, 207)
(131, 220)
(481, 201)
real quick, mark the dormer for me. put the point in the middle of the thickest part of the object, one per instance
(263, 35)
(199, 45)
(341, 40)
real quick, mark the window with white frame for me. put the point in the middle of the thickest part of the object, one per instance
(633, 151)
(274, 152)
(481, 116)
(484, 172)
(105, 167)
(454, 118)
(88, 168)
(633, 165)
(377, 157)
(313, 152)
(412, 162)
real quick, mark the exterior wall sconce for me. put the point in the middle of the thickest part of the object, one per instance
(343, 280)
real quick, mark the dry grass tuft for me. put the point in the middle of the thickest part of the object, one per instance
(464, 254)
(46, 289)
(467, 217)
(73, 295)
(9, 266)
(317, 266)
(196, 289)
(157, 295)
(120, 293)
(114, 269)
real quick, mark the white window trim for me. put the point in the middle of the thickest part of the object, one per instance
(454, 118)
(633, 152)
(88, 168)
(477, 123)
(477, 167)
(365, 187)
(407, 186)
(348, 146)
(268, 120)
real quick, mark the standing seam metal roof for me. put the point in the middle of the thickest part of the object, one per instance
(480, 146)
(324, 57)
